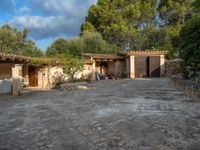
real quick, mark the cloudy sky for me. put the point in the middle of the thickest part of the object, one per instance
(45, 19)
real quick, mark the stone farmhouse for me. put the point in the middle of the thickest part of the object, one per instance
(135, 64)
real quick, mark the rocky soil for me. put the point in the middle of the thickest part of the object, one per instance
(143, 114)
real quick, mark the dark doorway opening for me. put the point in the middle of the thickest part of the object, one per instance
(104, 68)
(154, 66)
(32, 72)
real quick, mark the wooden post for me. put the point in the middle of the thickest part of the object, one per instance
(132, 67)
(93, 69)
(162, 65)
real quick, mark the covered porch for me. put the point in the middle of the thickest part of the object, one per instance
(107, 64)
(17, 72)
(11, 73)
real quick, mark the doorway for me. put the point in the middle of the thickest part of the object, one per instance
(32, 72)
(147, 66)
(154, 66)
(141, 68)
(104, 68)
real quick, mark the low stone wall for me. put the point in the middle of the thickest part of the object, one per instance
(5, 86)
(191, 88)
(17, 87)
(172, 67)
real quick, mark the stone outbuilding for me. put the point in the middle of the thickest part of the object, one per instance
(11, 74)
(107, 64)
(18, 72)
(136, 64)
(15, 68)
(145, 64)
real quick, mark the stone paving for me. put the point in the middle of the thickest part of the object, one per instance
(143, 114)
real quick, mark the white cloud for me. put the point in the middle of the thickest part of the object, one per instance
(25, 9)
(54, 18)
(50, 19)
(45, 27)
(73, 8)
(92, 2)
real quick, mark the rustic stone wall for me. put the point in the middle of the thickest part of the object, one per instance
(5, 86)
(25, 75)
(117, 68)
(42, 75)
(5, 71)
(190, 87)
(16, 86)
(172, 67)
(17, 80)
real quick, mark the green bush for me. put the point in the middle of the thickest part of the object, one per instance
(71, 65)
(88, 42)
(190, 47)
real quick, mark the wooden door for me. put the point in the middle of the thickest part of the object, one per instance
(154, 66)
(141, 67)
(33, 82)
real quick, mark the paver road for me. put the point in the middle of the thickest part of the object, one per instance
(143, 114)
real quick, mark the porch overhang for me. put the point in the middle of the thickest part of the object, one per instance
(12, 58)
(103, 57)
(145, 53)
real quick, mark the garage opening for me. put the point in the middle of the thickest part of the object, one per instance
(33, 81)
(147, 66)
(154, 66)
(141, 67)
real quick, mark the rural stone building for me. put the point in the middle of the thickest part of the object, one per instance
(142, 64)
(11, 72)
(136, 64)
(133, 64)
(106, 63)
(15, 67)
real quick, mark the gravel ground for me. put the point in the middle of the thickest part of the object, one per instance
(142, 114)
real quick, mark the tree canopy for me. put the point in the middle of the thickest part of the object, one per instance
(139, 24)
(190, 44)
(88, 42)
(15, 41)
(196, 6)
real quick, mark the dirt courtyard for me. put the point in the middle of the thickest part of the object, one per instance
(142, 114)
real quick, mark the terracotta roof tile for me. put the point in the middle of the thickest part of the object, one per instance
(14, 58)
(147, 52)
(103, 56)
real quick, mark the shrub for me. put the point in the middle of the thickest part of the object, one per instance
(71, 65)
(190, 47)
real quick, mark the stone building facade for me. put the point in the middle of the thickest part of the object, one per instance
(16, 72)
(106, 64)
(133, 64)
(142, 64)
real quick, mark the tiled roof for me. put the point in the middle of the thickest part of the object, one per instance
(13, 58)
(146, 52)
(102, 56)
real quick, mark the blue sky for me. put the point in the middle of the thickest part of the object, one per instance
(45, 19)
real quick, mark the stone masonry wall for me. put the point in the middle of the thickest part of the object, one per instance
(172, 67)
(190, 87)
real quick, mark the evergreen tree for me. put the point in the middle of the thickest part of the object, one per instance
(139, 24)
(15, 41)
